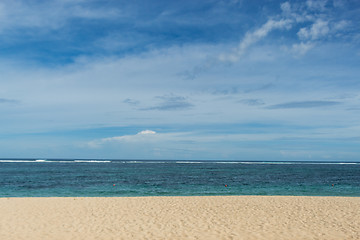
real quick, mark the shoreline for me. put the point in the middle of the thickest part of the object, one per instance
(180, 217)
(184, 196)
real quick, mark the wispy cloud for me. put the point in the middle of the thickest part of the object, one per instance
(304, 104)
(311, 20)
(49, 14)
(227, 91)
(253, 37)
(5, 100)
(145, 135)
(218, 145)
(250, 38)
(131, 102)
(252, 102)
(260, 88)
(302, 48)
(353, 109)
(317, 5)
(170, 103)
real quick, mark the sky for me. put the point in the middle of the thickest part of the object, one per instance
(196, 80)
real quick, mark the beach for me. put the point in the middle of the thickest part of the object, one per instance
(203, 217)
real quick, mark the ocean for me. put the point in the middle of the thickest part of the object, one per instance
(110, 178)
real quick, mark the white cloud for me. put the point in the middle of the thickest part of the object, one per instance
(48, 15)
(109, 91)
(318, 5)
(145, 135)
(253, 37)
(297, 12)
(194, 138)
(286, 8)
(339, 3)
(318, 30)
(303, 33)
(317, 21)
(302, 48)
(145, 132)
(232, 145)
(339, 26)
(93, 94)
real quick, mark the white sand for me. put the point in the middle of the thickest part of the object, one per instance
(235, 217)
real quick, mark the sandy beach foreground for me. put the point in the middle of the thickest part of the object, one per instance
(219, 217)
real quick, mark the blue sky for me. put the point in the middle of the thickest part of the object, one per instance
(232, 80)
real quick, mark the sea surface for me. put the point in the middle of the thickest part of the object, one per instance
(105, 178)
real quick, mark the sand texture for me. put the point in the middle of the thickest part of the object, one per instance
(229, 217)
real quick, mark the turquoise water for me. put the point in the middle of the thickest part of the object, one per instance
(61, 177)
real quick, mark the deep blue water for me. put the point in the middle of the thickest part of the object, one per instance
(50, 178)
